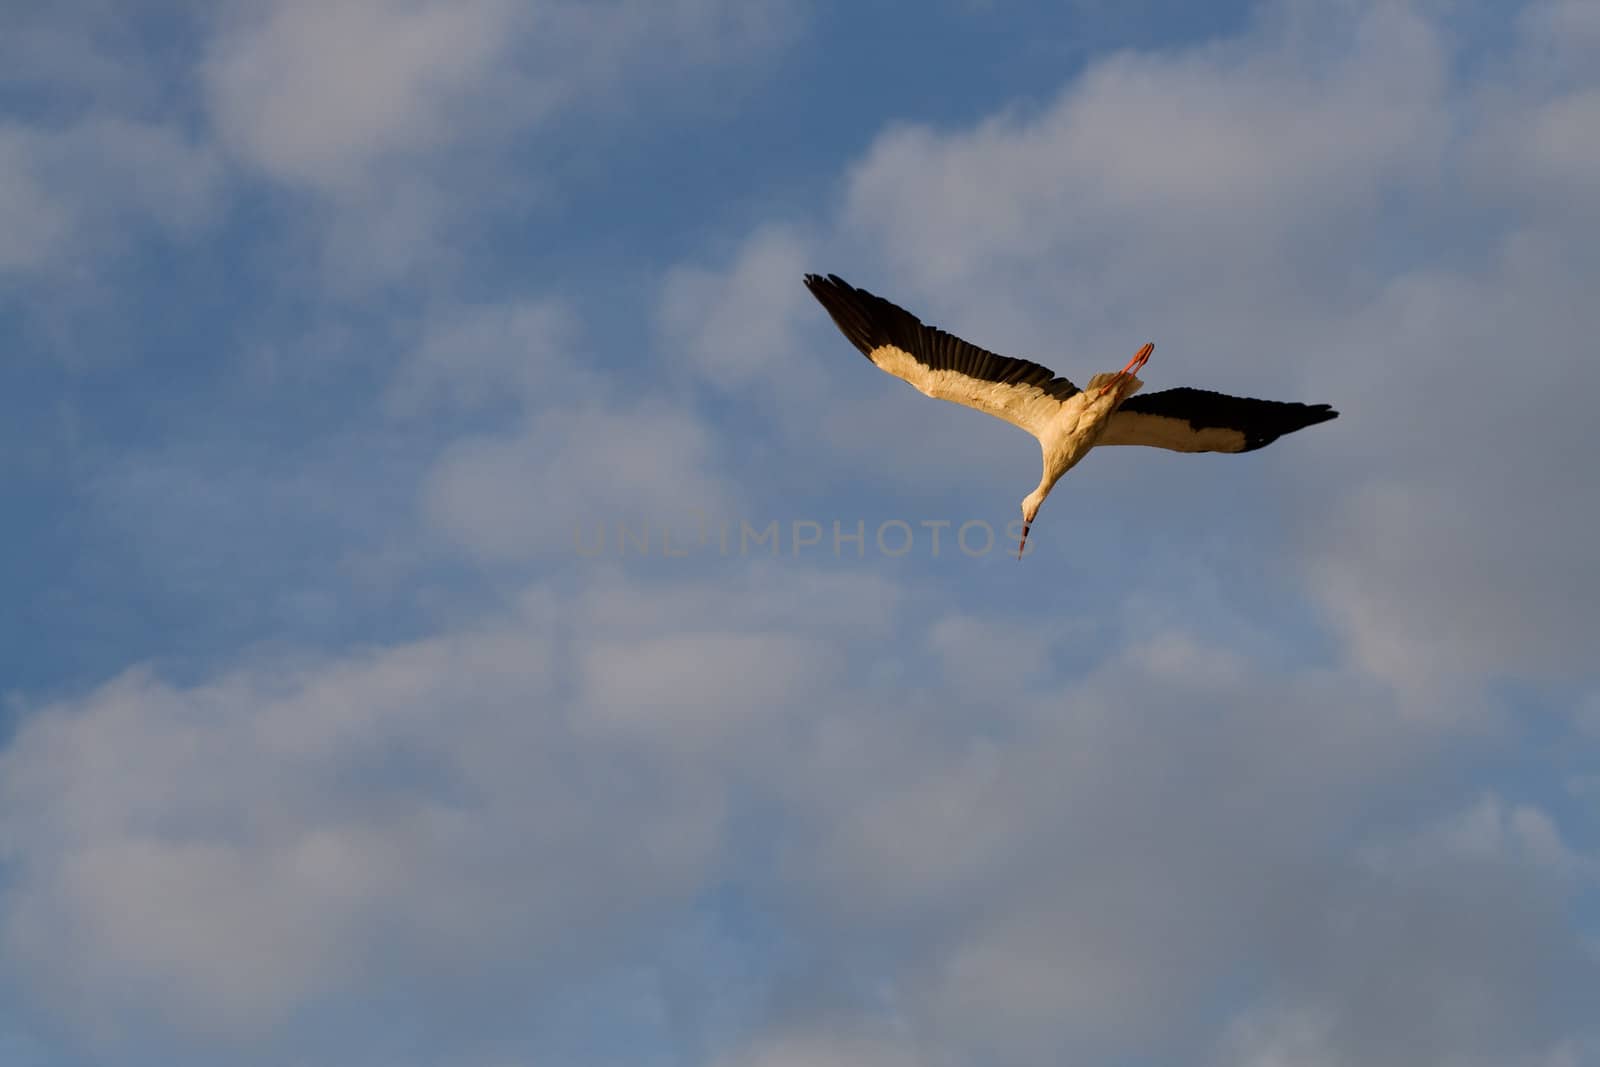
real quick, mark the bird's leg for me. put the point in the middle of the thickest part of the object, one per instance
(1138, 361)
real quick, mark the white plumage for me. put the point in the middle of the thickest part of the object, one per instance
(1066, 420)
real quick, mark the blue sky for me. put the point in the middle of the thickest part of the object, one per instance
(327, 326)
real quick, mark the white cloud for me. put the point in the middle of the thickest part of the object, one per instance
(398, 117)
(987, 661)
(1491, 831)
(845, 604)
(736, 328)
(319, 93)
(76, 54)
(1418, 950)
(1283, 1038)
(475, 357)
(1054, 874)
(1562, 30)
(92, 156)
(393, 120)
(658, 690)
(552, 485)
(36, 224)
(577, 453)
(210, 860)
(70, 195)
(827, 1050)
(1152, 169)
(224, 854)
(1455, 546)
(1061, 873)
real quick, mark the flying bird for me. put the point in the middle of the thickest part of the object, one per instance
(1068, 421)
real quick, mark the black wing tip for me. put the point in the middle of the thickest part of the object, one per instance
(820, 281)
(1260, 421)
(1288, 418)
(1288, 411)
(850, 308)
(824, 285)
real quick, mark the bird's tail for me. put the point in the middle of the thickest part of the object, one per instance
(1130, 384)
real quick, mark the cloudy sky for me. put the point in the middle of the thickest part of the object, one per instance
(340, 342)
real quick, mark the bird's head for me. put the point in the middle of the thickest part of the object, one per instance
(1030, 509)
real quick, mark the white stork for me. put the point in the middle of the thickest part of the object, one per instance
(1067, 421)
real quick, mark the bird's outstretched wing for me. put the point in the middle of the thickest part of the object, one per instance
(939, 364)
(1195, 420)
